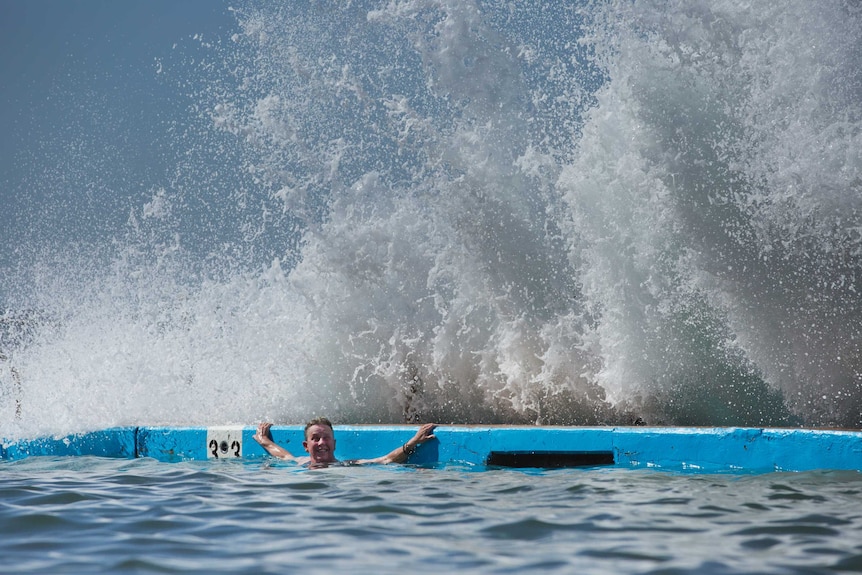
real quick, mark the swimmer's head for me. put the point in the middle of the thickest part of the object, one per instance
(320, 441)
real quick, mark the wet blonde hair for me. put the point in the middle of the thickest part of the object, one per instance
(318, 421)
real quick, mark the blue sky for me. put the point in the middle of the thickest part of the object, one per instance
(84, 114)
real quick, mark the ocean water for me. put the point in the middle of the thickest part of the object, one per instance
(95, 515)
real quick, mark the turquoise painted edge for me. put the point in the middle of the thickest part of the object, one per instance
(673, 448)
(113, 442)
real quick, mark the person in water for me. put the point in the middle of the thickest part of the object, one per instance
(320, 445)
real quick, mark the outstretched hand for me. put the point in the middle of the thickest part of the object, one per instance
(425, 433)
(263, 434)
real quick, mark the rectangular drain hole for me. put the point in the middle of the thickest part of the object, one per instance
(550, 459)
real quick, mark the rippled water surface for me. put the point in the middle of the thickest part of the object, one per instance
(92, 515)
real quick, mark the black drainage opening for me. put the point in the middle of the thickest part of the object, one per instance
(550, 459)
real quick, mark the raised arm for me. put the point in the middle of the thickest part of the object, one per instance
(402, 452)
(264, 438)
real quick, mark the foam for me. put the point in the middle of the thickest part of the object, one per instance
(488, 213)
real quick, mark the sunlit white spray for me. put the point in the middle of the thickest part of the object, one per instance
(481, 212)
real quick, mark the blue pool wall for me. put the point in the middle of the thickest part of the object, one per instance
(694, 449)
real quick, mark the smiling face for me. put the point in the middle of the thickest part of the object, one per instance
(320, 444)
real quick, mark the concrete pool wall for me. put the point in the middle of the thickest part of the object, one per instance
(678, 448)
